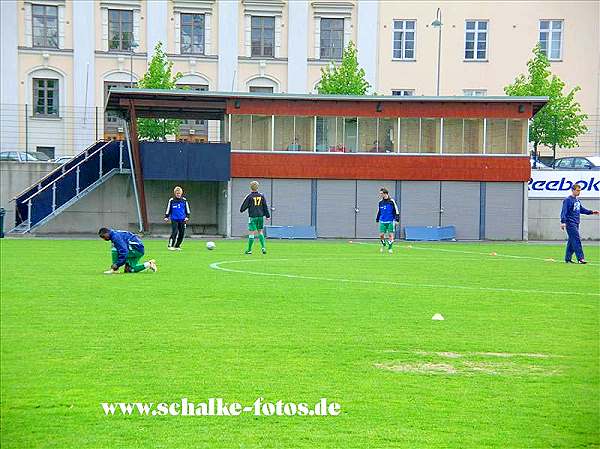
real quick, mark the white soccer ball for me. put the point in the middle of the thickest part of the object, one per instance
(210, 246)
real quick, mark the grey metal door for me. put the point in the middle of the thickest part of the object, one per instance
(336, 202)
(291, 202)
(504, 210)
(461, 208)
(240, 187)
(367, 199)
(420, 203)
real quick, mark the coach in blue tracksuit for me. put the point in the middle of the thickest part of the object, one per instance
(569, 221)
(178, 211)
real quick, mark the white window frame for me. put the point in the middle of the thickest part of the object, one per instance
(476, 31)
(549, 32)
(403, 92)
(403, 40)
(475, 92)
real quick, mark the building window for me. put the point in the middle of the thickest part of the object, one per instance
(332, 38)
(113, 124)
(45, 97)
(404, 39)
(476, 40)
(474, 92)
(263, 89)
(120, 29)
(203, 124)
(48, 151)
(551, 38)
(192, 34)
(263, 36)
(403, 92)
(45, 26)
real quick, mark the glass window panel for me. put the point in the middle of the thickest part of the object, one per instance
(409, 45)
(470, 36)
(409, 54)
(544, 24)
(469, 54)
(470, 25)
(517, 136)
(38, 22)
(410, 24)
(240, 132)
(473, 136)
(482, 26)
(367, 135)
(38, 9)
(285, 140)
(555, 53)
(127, 16)
(398, 24)
(480, 54)
(326, 133)
(453, 136)
(430, 135)
(388, 130)
(481, 37)
(556, 24)
(397, 54)
(495, 138)
(470, 45)
(409, 135)
(261, 132)
(304, 133)
(556, 36)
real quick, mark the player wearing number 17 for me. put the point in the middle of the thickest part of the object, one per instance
(256, 205)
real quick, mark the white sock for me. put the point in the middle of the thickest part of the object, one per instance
(146, 264)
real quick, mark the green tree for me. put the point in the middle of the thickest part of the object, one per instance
(346, 78)
(560, 121)
(158, 76)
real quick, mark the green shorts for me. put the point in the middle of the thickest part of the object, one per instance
(386, 228)
(256, 223)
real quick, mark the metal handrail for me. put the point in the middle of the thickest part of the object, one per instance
(48, 175)
(65, 173)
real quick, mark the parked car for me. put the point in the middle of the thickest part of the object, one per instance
(577, 163)
(19, 156)
(63, 159)
(537, 163)
(41, 156)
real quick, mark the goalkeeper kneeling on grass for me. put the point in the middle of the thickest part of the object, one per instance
(387, 214)
(127, 250)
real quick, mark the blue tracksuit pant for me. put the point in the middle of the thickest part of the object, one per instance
(573, 243)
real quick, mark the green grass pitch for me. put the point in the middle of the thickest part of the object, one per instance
(515, 363)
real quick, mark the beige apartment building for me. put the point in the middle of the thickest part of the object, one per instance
(59, 58)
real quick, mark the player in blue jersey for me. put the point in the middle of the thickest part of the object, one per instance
(127, 251)
(569, 221)
(178, 211)
(387, 216)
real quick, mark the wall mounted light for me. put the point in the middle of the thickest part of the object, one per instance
(521, 108)
(236, 104)
(379, 107)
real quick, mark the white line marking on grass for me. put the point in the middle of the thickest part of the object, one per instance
(217, 266)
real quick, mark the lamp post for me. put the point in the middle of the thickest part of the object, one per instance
(437, 23)
(134, 45)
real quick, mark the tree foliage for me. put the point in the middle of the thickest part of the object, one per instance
(560, 121)
(346, 78)
(158, 76)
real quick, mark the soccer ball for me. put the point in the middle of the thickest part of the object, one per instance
(210, 246)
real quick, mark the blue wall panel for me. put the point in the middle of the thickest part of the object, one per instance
(178, 161)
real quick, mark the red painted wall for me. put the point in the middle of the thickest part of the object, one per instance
(394, 167)
(389, 108)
